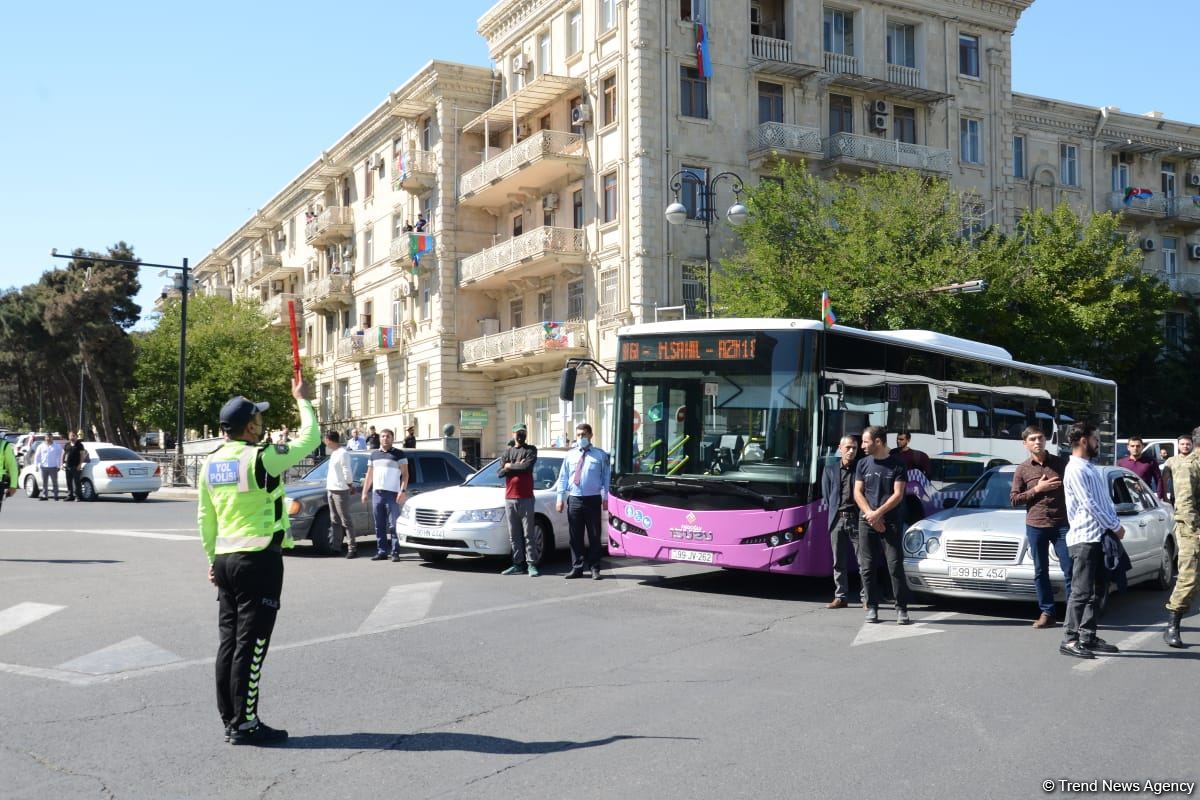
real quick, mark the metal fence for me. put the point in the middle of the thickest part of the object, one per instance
(192, 464)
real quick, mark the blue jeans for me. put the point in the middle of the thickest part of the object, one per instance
(1040, 540)
(385, 511)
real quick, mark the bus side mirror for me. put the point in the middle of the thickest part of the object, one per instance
(566, 384)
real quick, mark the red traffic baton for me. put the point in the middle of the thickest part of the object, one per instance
(295, 338)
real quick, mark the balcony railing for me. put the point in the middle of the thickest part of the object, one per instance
(328, 292)
(783, 138)
(336, 222)
(276, 308)
(887, 152)
(768, 48)
(1184, 282)
(218, 291)
(1126, 203)
(414, 170)
(542, 146)
(1185, 209)
(838, 63)
(363, 345)
(539, 245)
(403, 246)
(547, 340)
(905, 76)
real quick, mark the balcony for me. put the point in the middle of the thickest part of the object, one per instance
(1184, 210)
(415, 171)
(328, 294)
(904, 76)
(275, 309)
(271, 268)
(225, 292)
(365, 345)
(897, 83)
(871, 151)
(775, 57)
(403, 247)
(541, 347)
(332, 225)
(1153, 207)
(777, 138)
(541, 252)
(544, 158)
(840, 64)
(1182, 282)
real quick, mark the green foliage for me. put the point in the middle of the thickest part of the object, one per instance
(231, 350)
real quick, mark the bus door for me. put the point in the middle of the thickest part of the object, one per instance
(670, 439)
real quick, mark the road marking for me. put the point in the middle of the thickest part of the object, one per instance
(23, 614)
(133, 653)
(172, 537)
(405, 603)
(873, 632)
(1128, 643)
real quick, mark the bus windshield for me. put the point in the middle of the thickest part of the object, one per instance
(717, 420)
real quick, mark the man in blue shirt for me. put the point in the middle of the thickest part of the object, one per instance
(583, 487)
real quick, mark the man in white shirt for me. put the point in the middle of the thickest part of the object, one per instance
(387, 475)
(339, 482)
(48, 458)
(354, 441)
(1091, 514)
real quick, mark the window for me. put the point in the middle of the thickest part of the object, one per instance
(541, 419)
(1068, 164)
(344, 399)
(397, 226)
(366, 386)
(577, 209)
(973, 213)
(426, 295)
(368, 181)
(398, 384)
(968, 55)
(544, 122)
(1170, 251)
(694, 296)
(545, 306)
(904, 124)
(608, 14)
(1018, 156)
(608, 91)
(902, 44)
(548, 218)
(1168, 179)
(604, 423)
(433, 470)
(691, 193)
(516, 313)
(839, 32)
(368, 247)
(841, 114)
(693, 93)
(608, 291)
(770, 102)
(367, 313)
(517, 412)
(543, 54)
(579, 410)
(291, 234)
(969, 142)
(326, 401)
(1174, 325)
(1120, 174)
(518, 224)
(423, 384)
(574, 33)
(575, 300)
(693, 10)
(397, 312)
(427, 133)
(610, 197)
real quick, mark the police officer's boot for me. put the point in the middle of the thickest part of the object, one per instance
(1171, 634)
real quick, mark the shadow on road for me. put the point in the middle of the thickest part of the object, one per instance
(63, 560)
(437, 741)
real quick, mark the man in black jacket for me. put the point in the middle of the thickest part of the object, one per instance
(76, 457)
(837, 487)
(516, 466)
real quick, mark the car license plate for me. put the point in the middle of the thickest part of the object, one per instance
(431, 533)
(137, 470)
(980, 573)
(692, 555)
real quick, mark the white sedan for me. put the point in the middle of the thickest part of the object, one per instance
(978, 548)
(111, 469)
(469, 519)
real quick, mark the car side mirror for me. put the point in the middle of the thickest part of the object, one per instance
(1126, 509)
(950, 502)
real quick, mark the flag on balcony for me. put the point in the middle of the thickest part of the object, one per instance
(703, 58)
(1134, 193)
(418, 245)
(401, 165)
(389, 337)
(828, 318)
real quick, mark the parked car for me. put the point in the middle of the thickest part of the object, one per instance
(1151, 446)
(977, 547)
(308, 503)
(26, 444)
(111, 469)
(469, 519)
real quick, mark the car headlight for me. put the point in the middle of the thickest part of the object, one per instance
(481, 515)
(932, 545)
(406, 511)
(914, 541)
(294, 506)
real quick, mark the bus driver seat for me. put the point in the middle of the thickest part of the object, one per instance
(729, 451)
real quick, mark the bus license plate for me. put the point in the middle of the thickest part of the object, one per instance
(980, 573)
(691, 555)
(431, 533)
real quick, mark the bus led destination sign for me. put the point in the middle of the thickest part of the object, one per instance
(705, 347)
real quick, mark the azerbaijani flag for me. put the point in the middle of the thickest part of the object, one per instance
(1134, 193)
(389, 337)
(828, 318)
(703, 58)
(418, 245)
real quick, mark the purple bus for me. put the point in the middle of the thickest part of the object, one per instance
(722, 428)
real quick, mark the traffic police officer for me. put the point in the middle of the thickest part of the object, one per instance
(244, 527)
(1185, 478)
(8, 471)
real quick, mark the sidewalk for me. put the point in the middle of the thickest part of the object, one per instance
(177, 493)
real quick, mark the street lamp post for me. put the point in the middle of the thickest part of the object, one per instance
(677, 213)
(179, 478)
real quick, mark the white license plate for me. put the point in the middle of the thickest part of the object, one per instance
(431, 533)
(137, 470)
(691, 555)
(979, 573)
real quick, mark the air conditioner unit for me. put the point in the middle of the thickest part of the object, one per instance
(523, 131)
(1147, 245)
(347, 250)
(881, 107)
(1126, 158)
(550, 202)
(520, 62)
(375, 161)
(1193, 179)
(1194, 252)
(581, 115)
(879, 122)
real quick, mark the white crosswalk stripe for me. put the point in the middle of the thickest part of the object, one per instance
(887, 630)
(405, 603)
(133, 653)
(22, 614)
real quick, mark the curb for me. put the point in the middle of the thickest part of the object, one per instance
(177, 493)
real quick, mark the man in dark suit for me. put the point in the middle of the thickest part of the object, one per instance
(837, 487)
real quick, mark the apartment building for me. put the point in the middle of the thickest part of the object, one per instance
(544, 182)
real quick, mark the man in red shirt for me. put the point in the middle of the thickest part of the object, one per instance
(1038, 486)
(1144, 465)
(913, 459)
(516, 465)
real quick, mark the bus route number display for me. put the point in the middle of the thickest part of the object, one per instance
(691, 348)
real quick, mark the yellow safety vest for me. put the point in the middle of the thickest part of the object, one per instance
(248, 515)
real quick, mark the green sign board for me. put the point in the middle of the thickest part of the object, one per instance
(473, 418)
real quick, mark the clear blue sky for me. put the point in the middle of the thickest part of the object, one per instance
(167, 125)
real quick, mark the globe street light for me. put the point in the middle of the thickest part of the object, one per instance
(677, 213)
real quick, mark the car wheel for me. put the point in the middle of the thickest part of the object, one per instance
(31, 487)
(543, 542)
(432, 556)
(86, 490)
(1164, 579)
(140, 497)
(320, 534)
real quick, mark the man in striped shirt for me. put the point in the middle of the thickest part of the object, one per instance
(1091, 514)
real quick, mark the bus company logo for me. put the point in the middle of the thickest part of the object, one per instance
(636, 516)
(691, 533)
(690, 518)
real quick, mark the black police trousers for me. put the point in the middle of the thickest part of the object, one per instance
(248, 589)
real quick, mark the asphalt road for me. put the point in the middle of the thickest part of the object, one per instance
(672, 681)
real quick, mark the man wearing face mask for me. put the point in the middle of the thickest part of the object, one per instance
(516, 467)
(583, 489)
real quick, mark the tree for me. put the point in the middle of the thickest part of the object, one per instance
(231, 350)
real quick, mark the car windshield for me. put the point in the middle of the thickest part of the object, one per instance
(321, 471)
(991, 491)
(545, 473)
(117, 454)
